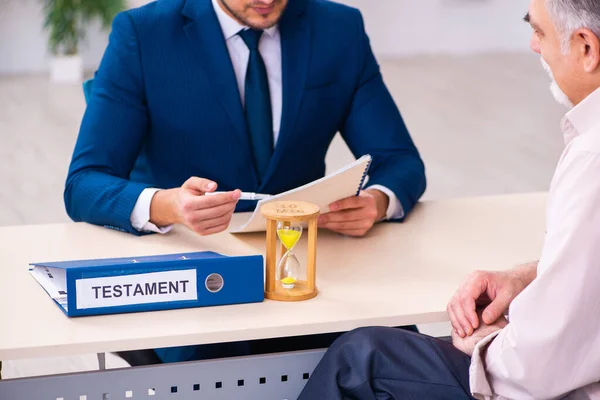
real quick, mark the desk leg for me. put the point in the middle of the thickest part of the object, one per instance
(101, 361)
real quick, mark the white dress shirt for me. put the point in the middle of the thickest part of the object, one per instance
(270, 50)
(551, 347)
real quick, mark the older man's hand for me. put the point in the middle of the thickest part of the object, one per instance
(493, 291)
(467, 344)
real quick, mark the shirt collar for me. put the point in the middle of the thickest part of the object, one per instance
(582, 118)
(231, 27)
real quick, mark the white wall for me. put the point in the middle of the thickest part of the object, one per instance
(408, 27)
(23, 41)
(396, 27)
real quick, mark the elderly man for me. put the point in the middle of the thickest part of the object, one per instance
(550, 345)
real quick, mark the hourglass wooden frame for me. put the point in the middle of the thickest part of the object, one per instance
(289, 212)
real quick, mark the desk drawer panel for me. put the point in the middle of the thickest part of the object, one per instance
(269, 377)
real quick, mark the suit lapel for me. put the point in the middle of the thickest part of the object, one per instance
(294, 29)
(206, 36)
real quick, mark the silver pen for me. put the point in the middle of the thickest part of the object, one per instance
(246, 195)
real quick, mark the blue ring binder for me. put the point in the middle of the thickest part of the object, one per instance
(151, 283)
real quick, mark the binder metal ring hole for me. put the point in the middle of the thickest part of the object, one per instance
(214, 283)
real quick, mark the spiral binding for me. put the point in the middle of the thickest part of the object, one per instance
(365, 173)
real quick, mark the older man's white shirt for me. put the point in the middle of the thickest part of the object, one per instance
(551, 348)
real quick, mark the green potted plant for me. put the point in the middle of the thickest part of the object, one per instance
(67, 22)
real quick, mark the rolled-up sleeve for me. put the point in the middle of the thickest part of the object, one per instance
(477, 374)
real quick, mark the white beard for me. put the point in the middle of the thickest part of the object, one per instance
(557, 92)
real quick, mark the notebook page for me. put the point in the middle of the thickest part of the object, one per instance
(337, 186)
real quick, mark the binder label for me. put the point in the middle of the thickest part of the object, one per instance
(155, 287)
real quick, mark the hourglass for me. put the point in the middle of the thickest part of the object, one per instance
(288, 269)
(288, 279)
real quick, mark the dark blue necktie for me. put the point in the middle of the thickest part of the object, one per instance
(259, 115)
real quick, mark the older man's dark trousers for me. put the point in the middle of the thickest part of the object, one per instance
(385, 363)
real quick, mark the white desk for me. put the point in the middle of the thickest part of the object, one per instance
(400, 274)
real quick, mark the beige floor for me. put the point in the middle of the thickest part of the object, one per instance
(484, 125)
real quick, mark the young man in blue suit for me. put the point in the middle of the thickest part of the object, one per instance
(195, 95)
(183, 101)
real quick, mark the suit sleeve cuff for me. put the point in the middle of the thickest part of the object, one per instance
(140, 216)
(481, 388)
(395, 209)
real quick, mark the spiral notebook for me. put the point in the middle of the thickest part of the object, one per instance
(347, 181)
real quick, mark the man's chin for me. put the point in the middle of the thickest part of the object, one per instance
(259, 21)
(560, 97)
(262, 23)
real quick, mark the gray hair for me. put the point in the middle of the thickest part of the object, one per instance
(570, 15)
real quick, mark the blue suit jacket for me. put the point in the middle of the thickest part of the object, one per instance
(166, 106)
